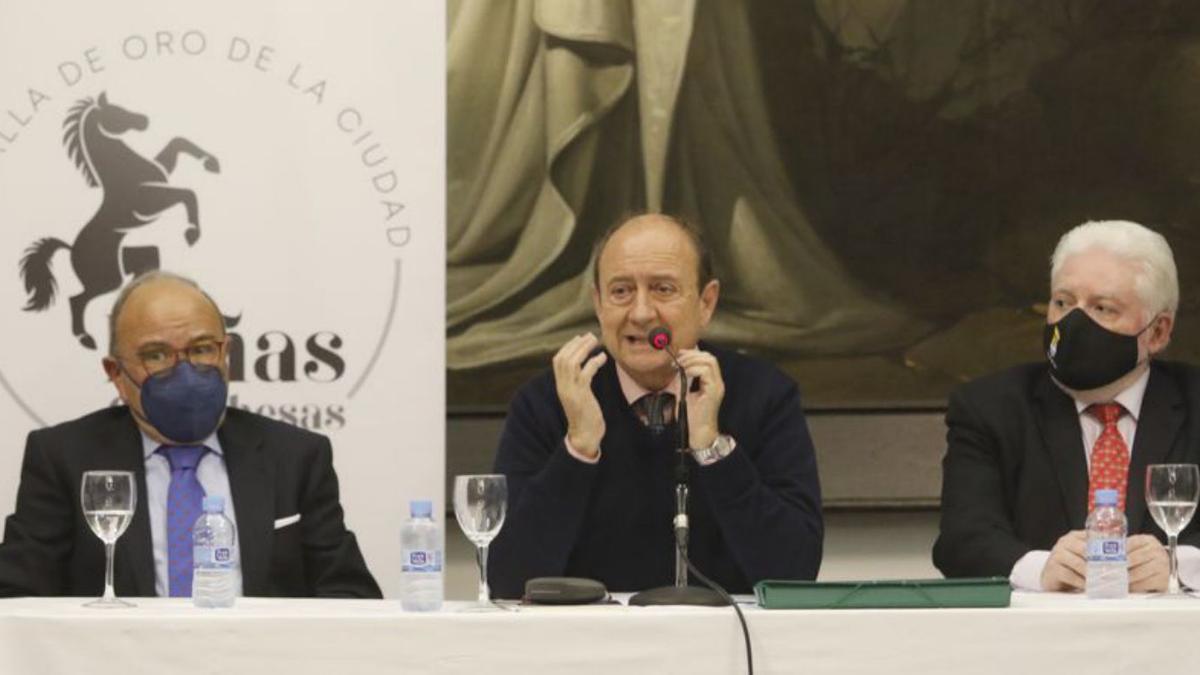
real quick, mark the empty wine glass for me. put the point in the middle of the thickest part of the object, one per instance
(480, 503)
(1172, 491)
(108, 499)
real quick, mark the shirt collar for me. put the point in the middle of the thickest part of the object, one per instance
(150, 446)
(1130, 398)
(634, 391)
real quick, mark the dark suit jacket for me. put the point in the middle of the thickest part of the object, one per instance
(1015, 474)
(275, 470)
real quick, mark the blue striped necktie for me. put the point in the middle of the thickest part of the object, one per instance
(185, 502)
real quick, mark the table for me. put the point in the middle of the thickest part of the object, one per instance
(1039, 633)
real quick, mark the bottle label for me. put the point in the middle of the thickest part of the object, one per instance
(1106, 550)
(219, 557)
(421, 560)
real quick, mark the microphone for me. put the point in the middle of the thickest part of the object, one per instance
(660, 338)
(679, 594)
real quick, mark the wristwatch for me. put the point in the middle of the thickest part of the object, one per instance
(720, 448)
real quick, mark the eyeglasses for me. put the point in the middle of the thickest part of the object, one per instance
(158, 358)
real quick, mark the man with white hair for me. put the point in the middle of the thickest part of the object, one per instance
(1029, 446)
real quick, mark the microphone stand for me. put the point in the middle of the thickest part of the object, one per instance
(680, 593)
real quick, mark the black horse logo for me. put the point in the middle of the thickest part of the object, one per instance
(136, 192)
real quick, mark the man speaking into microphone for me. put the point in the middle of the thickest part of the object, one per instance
(590, 447)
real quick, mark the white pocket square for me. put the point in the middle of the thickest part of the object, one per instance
(284, 522)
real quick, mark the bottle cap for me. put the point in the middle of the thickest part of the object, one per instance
(214, 504)
(421, 508)
(1106, 497)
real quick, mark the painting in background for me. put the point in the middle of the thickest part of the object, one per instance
(881, 182)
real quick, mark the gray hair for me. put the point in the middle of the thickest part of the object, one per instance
(142, 280)
(1157, 281)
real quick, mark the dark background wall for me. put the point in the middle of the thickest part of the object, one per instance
(938, 149)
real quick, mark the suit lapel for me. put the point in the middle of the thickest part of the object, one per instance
(1063, 438)
(252, 488)
(1158, 423)
(120, 449)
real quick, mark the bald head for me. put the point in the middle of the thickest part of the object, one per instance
(159, 301)
(649, 222)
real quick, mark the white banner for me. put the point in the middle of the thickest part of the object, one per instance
(303, 144)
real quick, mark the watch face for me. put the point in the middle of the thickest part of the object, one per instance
(722, 446)
(719, 449)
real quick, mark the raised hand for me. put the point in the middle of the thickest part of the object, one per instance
(573, 373)
(705, 403)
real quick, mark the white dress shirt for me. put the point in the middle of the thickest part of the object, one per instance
(213, 478)
(1027, 573)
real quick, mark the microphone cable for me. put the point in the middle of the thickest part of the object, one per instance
(724, 596)
(660, 339)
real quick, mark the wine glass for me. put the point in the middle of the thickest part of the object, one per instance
(480, 503)
(1171, 494)
(108, 499)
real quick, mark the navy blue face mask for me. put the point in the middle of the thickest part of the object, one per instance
(186, 402)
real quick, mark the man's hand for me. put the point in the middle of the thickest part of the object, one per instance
(1066, 570)
(704, 404)
(1149, 564)
(573, 380)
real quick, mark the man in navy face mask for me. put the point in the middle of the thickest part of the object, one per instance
(167, 360)
(170, 368)
(1028, 447)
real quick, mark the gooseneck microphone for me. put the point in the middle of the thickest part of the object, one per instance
(681, 593)
(660, 339)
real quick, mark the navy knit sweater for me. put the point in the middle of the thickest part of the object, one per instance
(755, 514)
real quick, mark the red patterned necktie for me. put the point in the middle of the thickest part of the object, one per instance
(1110, 455)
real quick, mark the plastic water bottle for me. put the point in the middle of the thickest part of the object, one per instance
(421, 554)
(1107, 565)
(214, 555)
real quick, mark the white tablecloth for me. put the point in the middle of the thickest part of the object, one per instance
(1039, 633)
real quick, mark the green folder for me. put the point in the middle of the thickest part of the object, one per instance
(897, 594)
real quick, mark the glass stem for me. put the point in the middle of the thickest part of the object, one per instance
(109, 594)
(1173, 582)
(481, 553)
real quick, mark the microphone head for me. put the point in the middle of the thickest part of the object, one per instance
(660, 338)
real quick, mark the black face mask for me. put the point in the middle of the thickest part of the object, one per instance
(1084, 355)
